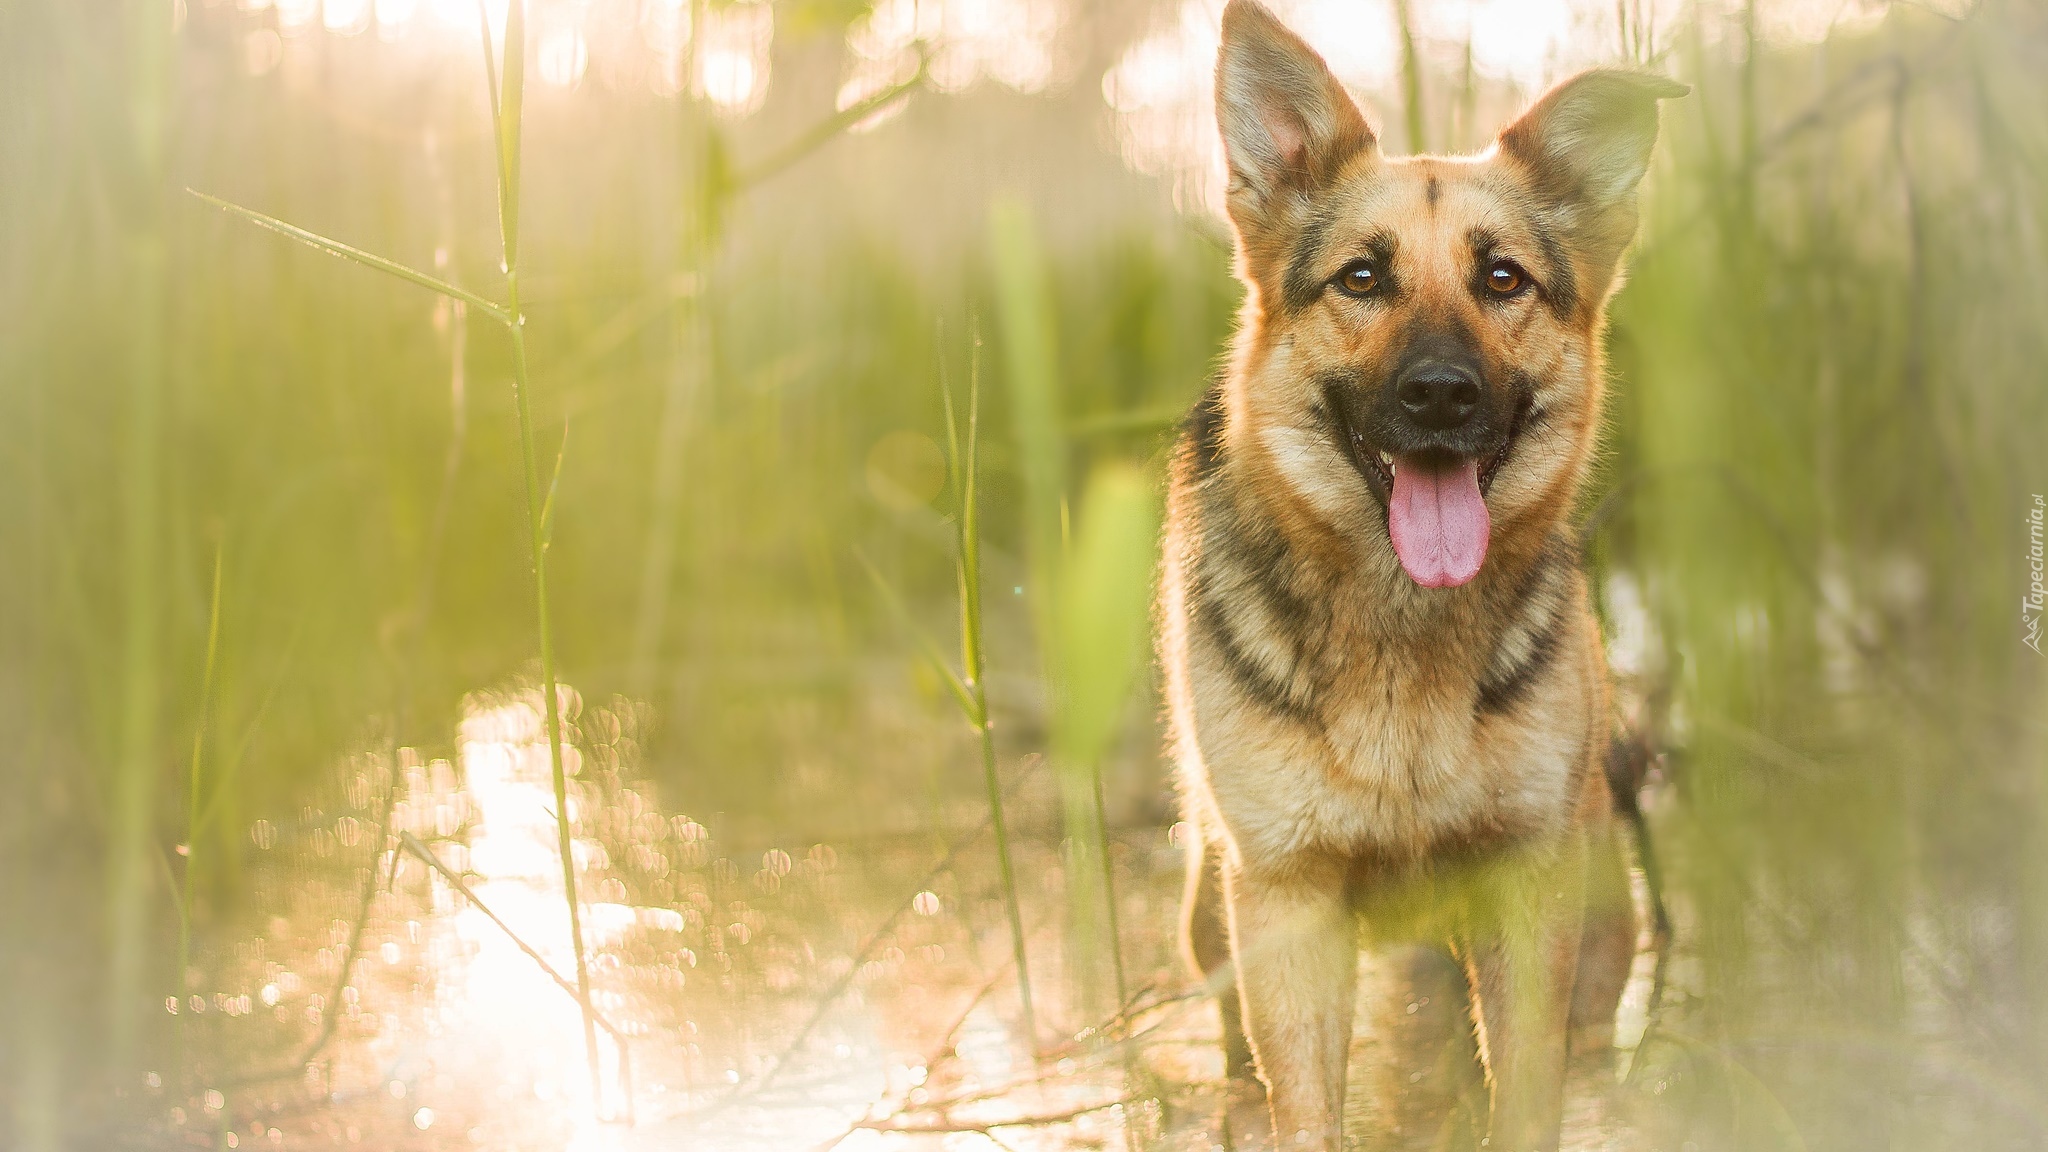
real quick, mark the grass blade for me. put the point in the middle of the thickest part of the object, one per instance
(966, 473)
(357, 255)
(970, 707)
(506, 109)
(971, 648)
(547, 508)
(192, 811)
(1023, 296)
(510, 101)
(952, 420)
(1105, 609)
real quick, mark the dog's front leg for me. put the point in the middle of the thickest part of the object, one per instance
(1296, 946)
(1522, 958)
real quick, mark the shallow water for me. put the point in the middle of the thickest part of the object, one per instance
(812, 997)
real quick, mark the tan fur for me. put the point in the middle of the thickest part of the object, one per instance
(1352, 748)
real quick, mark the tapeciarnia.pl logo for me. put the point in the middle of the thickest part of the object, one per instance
(2032, 603)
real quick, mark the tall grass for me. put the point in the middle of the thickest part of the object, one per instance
(507, 105)
(194, 791)
(969, 687)
(1806, 541)
(143, 239)
(1089, 602)
(963, 462)
(1105, 603)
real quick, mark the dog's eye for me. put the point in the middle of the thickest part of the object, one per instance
(1358, 279)
(1505, 277)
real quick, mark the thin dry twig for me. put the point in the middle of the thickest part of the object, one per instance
(1107, 1028)
(412, 844)
(938, 1053)
(983, 1127)
(874, 941)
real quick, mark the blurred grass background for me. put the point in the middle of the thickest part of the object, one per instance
(1809, 528)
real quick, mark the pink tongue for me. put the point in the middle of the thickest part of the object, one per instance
(1438, 521)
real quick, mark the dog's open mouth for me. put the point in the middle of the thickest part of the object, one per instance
(1435, 500)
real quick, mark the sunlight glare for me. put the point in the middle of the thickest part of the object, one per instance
(502, 997)
(665, 29)
(1811, 21)
(733, 64)
(346, 17)
(562, 57)
(1519, 40)
(297, 15)
(729, 77)
(1161, 89)
(650, 45)
(394, 17)
(1009, 41)
(261, 51)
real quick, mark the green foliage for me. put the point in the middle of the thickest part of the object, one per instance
(1106, 601)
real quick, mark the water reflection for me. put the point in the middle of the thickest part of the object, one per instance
(772, 997)
(496, 996)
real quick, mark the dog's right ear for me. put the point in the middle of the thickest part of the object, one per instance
(1287, 124)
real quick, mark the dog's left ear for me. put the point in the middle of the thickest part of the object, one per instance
(1585, 146)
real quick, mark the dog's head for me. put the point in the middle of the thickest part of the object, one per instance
(1420, 357)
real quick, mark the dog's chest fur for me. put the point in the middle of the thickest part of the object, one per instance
(1335, 709)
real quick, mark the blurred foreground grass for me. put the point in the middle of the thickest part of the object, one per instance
(1810, 533)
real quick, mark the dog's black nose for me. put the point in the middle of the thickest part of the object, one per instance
(1438, 396)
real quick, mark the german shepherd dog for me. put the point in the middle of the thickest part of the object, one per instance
(1386, 688)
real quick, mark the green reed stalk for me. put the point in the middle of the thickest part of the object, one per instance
(193, 816)
(1104, 612)
(1067, 653)
(965, 471)
(150, 66)
(1116, 945)
(506, 98)
(505, 119)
